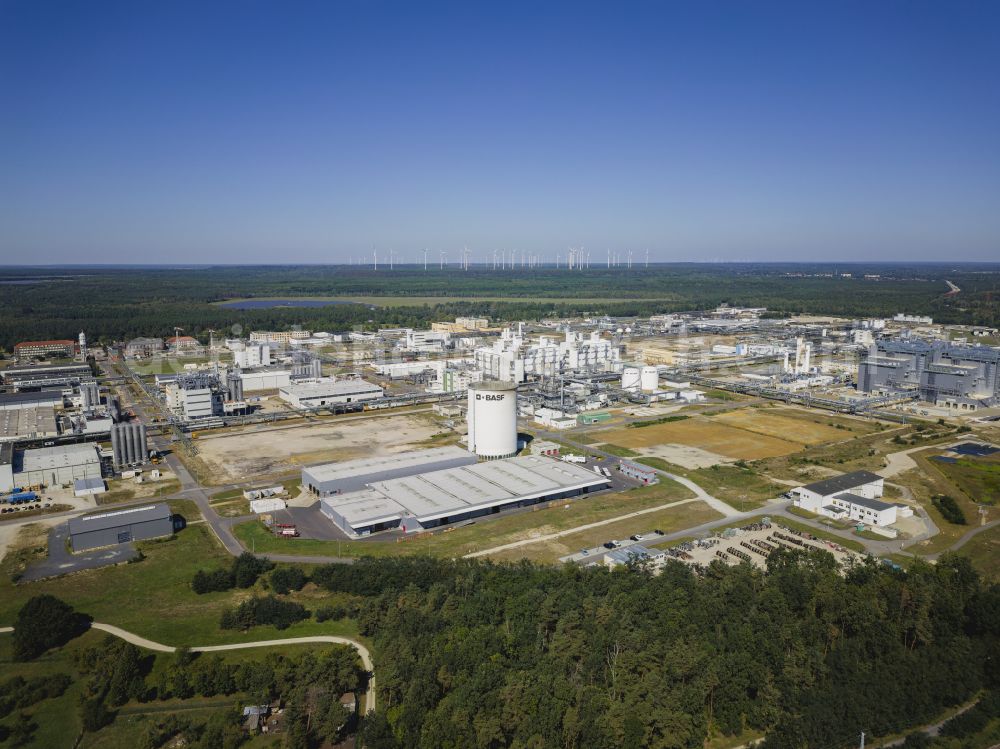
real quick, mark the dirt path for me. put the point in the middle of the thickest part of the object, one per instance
(142, 642)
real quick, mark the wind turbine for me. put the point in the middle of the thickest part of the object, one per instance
(375, 257)
(647, 257)
(443, 256)
(425, 258)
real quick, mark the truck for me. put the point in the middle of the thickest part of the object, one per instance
(574, 458)
(18, 498)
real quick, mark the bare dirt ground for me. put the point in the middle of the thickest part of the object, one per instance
(235, 456)
(687, 456)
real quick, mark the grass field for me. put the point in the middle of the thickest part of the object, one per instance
(485, 534)
(743, 488)
(983, 550)
(153, 597)
(979, 479)
(669, 520)
(924, 482)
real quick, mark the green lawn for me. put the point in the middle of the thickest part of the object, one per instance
(483, 534)
(979, 478)
(621, 452)
(743, 488)
(983, 550)
(153, 597)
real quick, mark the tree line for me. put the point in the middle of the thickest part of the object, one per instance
(475, 654)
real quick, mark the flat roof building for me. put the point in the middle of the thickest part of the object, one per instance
(352, 475)
(429, 500)
(60, 464)
(27, 349)
(32, 423)
(325, 392)
(845, 496)
(120, 527)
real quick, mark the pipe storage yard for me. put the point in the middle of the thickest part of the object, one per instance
(429, 500)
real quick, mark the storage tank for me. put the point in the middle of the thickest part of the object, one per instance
(649, 379)
(631, 378)
(492, 419)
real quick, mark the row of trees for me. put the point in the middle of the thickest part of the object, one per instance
(475, 654)
(263, 610)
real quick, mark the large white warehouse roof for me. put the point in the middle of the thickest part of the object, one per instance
(457, 492)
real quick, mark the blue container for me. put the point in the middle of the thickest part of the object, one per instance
(21, 497)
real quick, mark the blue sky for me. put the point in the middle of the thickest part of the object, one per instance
(308, 131)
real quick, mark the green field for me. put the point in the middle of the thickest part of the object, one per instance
(153, 597)
(743, 488)
(983, 550)
(483, 534)
(979, 479)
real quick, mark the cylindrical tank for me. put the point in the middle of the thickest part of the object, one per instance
(142, 446)
(116, 445)
(631, 379)
(129, 445)
(649, 378)
(492, 419)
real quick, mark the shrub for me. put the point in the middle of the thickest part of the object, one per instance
(285, 579)
(327, 613)
(949, 509)
(45, 622)
(210, 582)
(267, 610)
(247, 568)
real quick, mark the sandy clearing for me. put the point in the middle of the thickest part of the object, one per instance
(237, 456)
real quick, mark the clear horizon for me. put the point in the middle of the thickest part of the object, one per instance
(263, 133)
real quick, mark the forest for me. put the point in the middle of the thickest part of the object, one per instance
(118, 303)
(474, 654)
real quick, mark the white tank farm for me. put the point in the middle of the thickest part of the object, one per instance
(492, 419)
(650, 379)
(631, 378)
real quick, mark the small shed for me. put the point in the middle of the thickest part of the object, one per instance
(88, 487)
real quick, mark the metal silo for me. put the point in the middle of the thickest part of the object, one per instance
(492, 419)
(129, 444)
(143, 447)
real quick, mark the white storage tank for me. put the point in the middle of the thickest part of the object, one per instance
(631, 378)
(492, 419)
(650, 379)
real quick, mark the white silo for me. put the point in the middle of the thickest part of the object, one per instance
(649, 379)
(631, 378)
(492, 419)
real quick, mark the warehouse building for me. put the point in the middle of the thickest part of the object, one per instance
(265, 379)
(352, 475)
(120, 527)
(57, 465)
(140, 348)
(430, 500)
(327, 392)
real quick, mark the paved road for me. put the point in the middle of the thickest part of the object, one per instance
(61, 562)
(142, 642)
